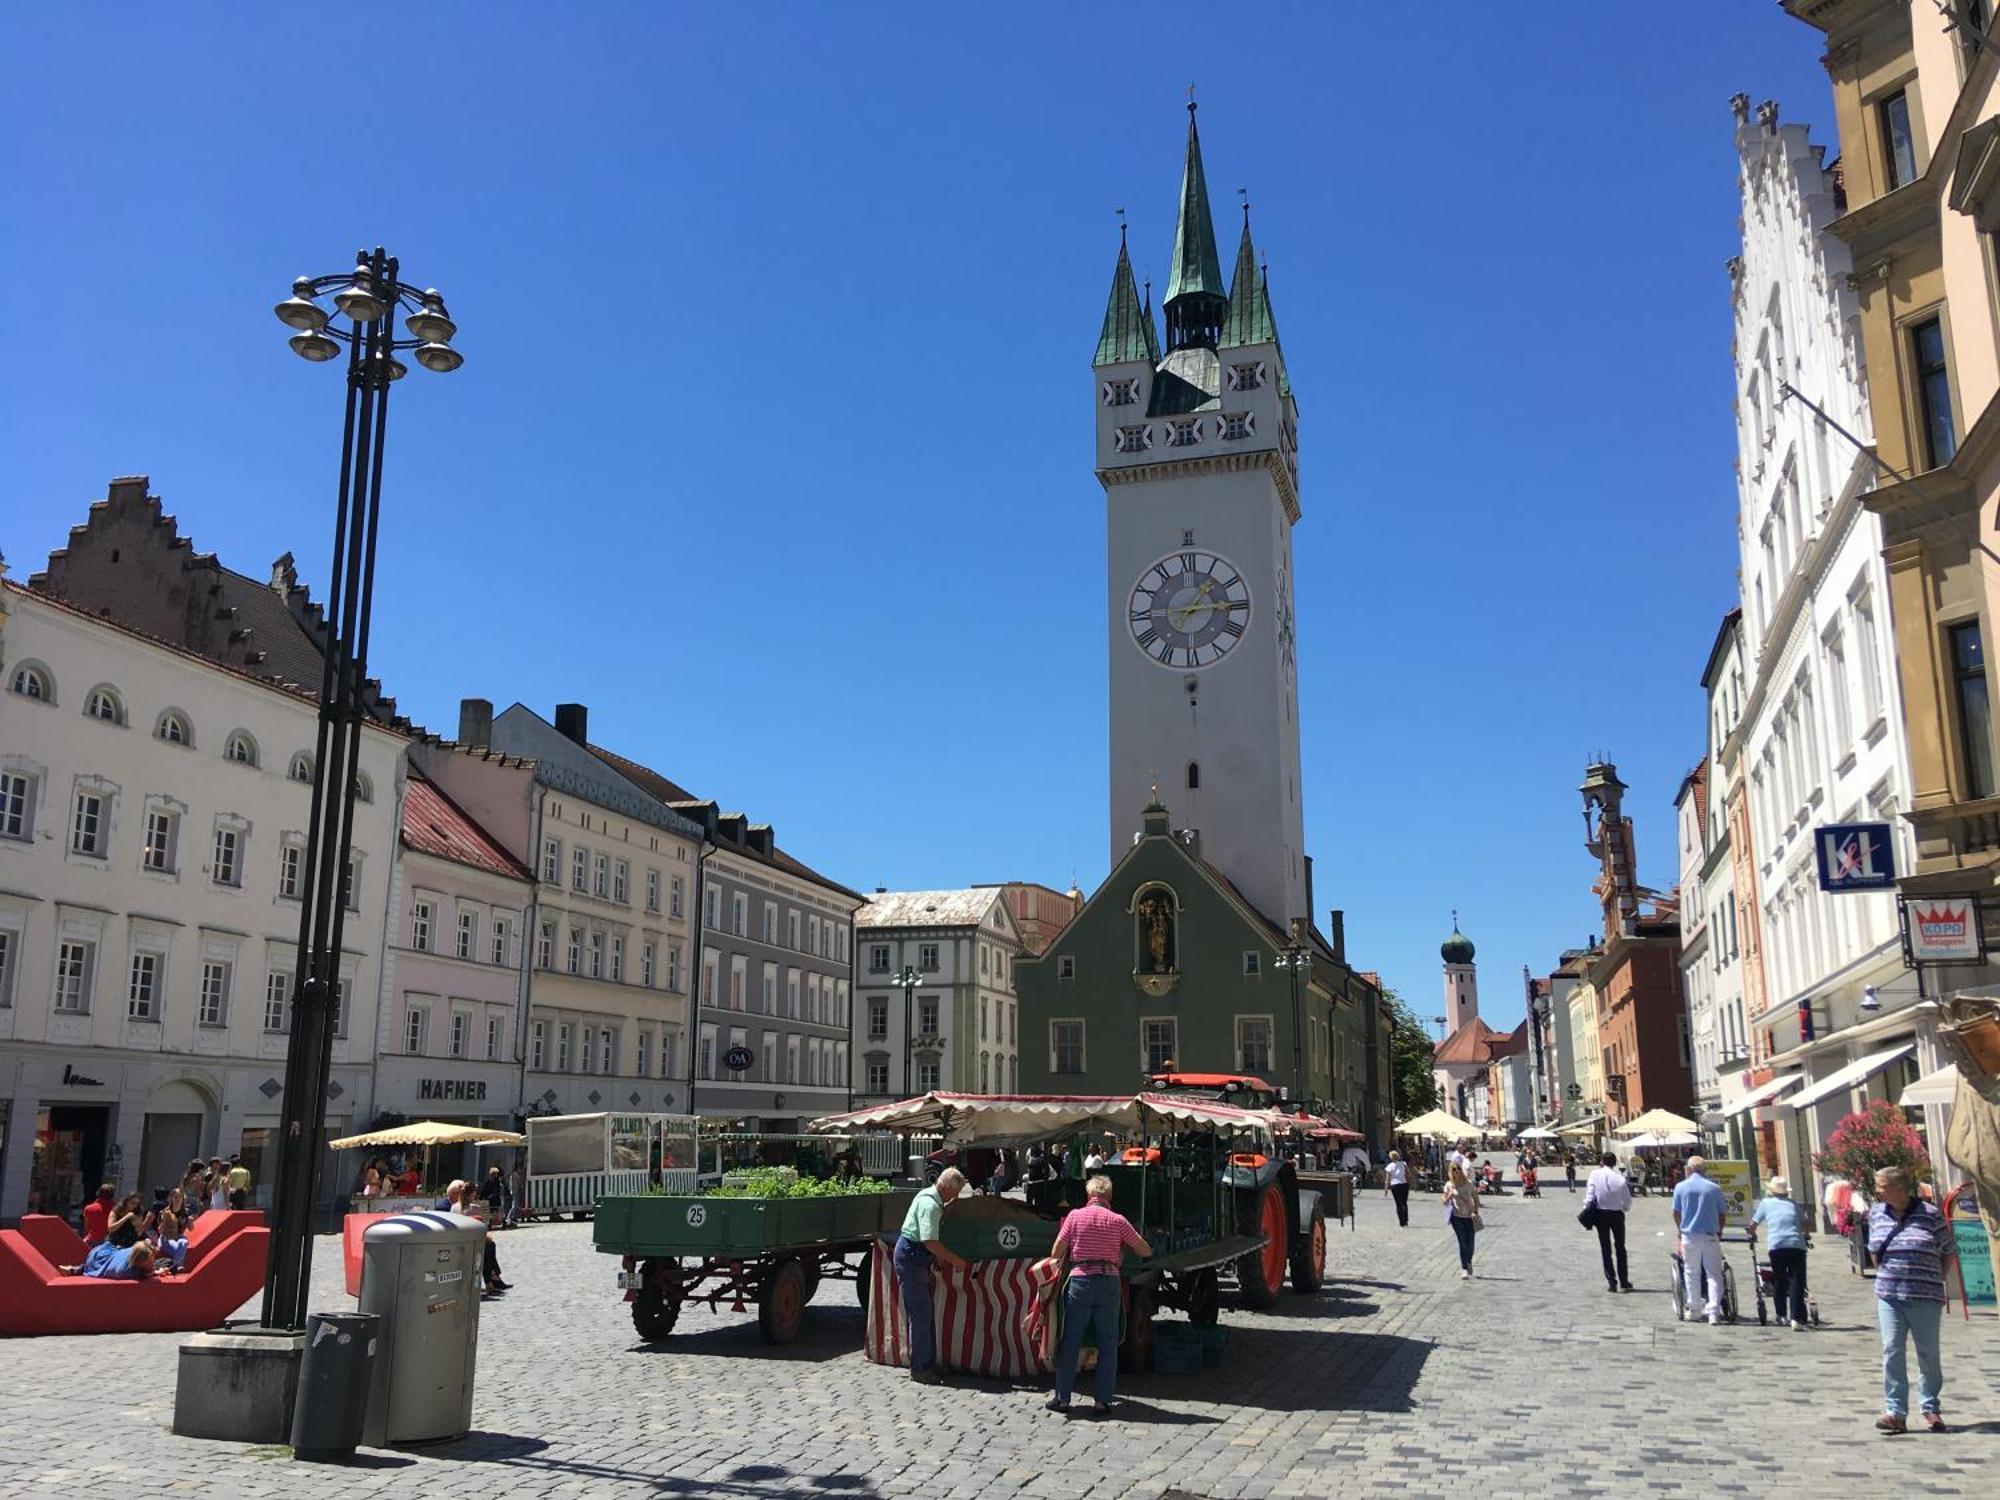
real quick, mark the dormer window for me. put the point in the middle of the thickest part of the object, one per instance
(103, 704)
(1119, 392)
(1186, 433)
(1245, 377)
(1134, 439)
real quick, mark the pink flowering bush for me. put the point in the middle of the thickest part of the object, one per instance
(1878, 1137)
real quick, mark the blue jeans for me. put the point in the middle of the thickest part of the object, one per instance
(1089, 1302)
(1914, 1319)
(913, 1276)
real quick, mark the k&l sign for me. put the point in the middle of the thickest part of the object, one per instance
(1855, 857)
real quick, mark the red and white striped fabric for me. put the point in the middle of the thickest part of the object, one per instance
(981, 1320)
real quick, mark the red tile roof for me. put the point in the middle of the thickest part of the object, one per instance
(434, 824)
(1476, 1042)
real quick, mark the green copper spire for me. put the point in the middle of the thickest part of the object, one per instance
(1250, 320)
(1128, 327)
(1196, 303)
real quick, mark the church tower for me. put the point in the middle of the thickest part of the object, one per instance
(1461, 979)
(1197, 450)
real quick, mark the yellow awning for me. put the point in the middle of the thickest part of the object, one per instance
(430, 1133)
(1657, 1122)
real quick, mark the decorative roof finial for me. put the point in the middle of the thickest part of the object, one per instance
(1244, 194)
(1192, 106)
(1121, 228)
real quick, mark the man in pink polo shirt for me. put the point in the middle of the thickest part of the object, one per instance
(1093, 1240)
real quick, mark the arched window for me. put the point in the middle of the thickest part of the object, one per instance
(1194, 776)
(364, 789)
(174, 728)
(301, 768)
(104, 703)
(240, 748)
(32, 680)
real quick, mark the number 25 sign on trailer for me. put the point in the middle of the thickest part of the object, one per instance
(1855, 857)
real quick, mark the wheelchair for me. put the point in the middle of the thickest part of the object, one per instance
(1685, 1309)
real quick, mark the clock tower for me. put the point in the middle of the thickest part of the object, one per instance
(1197, 450)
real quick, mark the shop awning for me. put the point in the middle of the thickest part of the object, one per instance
(1847, 1077)
(1764, 1093)
(1933, 1088)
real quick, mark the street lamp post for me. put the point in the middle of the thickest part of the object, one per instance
(368, 298)
(1296, 959)
(907, 982)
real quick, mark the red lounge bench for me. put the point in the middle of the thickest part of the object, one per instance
(352, 1229)
(36, 1298)
(60, 1245)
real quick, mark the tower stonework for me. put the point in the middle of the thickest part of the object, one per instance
(1197, 450)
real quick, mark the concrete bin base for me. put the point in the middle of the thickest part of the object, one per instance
(238, 1386)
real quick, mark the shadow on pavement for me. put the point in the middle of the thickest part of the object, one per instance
(1363, 1372)
(751, 1481)
(831, 1334)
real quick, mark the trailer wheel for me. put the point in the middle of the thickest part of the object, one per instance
(656, 1307)
(783, 1306)
(1309, 1254)
(1261, 1274)
(1135, 1354)
(861, 1283)
(812, 1280)
(1204, 1298)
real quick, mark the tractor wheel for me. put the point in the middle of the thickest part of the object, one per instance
(1261, 1273)
(656, 1307)
(1204, 1299)
(783, 1306)
(1309, 1254)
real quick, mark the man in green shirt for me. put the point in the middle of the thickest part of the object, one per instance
(919, 1248)
(239, 1183)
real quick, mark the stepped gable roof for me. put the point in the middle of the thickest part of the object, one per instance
(962, 908)
(434, 824)
(266, 628)
(1475, 1042)
(681, 800)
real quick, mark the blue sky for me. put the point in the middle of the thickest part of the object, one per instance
(773, 443)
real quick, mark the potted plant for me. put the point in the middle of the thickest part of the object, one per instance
(1861, 1145)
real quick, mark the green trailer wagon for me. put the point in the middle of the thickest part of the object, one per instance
(772, 1251)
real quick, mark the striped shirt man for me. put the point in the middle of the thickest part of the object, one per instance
(1909, 1250)
(1096, 1238)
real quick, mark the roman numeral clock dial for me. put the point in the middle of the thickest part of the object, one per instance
(1189, 608)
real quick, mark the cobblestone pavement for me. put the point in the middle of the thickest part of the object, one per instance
(1398, 1379)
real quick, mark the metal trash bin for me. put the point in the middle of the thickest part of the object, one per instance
(420, 1274)
(333, 1388)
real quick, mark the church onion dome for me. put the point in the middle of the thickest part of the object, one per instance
(1457, 949)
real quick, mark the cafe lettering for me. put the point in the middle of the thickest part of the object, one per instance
(463, 1090)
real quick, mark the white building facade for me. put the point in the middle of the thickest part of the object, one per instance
(1821, 736)
(153, 811)
(448, 1042)
(962, 1030)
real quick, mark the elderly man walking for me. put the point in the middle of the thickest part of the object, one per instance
(919, 1248)
(1699, 1215)
(1094, 1239)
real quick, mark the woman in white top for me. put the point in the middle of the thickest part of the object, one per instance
(1462, 1199)
(1396, 1183)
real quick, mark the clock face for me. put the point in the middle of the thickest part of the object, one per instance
(1189, 608)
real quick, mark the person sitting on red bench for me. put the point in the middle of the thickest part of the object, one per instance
(97, 1216)
(169, 1243)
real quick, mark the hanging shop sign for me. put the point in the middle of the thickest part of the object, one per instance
(1943, 929)
(1855, 857)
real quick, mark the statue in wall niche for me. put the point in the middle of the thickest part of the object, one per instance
(1156, 933)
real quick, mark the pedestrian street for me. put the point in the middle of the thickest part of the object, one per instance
(1397, 1379)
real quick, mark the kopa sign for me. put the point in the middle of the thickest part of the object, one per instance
(461, 1090)
(1943, 929)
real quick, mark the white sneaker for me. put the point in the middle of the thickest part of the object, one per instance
(1464, 1275)
(1715, 1320)
(1798, 1325)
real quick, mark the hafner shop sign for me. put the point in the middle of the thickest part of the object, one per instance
(457, 1090)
